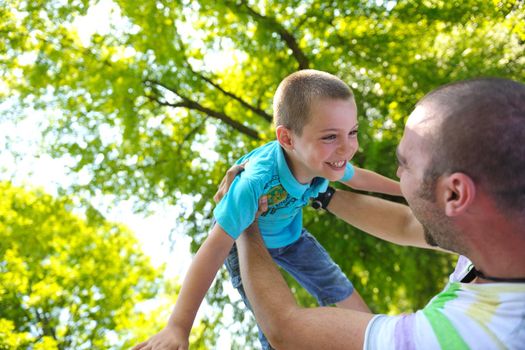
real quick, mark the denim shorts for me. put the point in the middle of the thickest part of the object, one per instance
(309, 263)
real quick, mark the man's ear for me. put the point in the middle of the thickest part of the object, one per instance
(459, 192)
(285, 137)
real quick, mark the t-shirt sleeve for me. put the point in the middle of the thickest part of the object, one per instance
(349, 172)
(380, 333)
(408, 331)
(236, 210)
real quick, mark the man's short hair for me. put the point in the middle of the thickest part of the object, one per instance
(296, 93)
(481, 133)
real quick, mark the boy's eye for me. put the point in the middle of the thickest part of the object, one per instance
(329, 137)
(352, 133)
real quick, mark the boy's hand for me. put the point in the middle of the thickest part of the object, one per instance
(170, 338)
(227, 180)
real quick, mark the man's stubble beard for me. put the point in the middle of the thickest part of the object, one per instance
(437, 227)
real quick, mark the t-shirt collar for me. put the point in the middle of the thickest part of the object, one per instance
(289, 182)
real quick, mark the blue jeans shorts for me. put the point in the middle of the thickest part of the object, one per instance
(310, 265)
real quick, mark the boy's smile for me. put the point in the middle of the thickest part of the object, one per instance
(327, 143)
(337, 165)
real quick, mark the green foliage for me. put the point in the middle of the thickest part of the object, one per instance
(66, 283)
(173, 92)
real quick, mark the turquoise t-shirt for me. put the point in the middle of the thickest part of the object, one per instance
(267, 173)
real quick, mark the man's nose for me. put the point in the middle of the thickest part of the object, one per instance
(398, 172)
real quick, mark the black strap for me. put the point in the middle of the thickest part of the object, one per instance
(473, 273)
(322, 199)
(469, 277)
(498, 279)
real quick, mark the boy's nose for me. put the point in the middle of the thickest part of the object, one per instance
(347, 146)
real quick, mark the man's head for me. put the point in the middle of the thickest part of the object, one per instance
(316, 123)
(470, 136)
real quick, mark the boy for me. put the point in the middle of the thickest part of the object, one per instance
(316, 127)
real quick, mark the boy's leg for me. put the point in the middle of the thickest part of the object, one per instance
(309, 263)
(232, 264)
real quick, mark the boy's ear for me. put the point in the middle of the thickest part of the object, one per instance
(459, 193)
(285, 137)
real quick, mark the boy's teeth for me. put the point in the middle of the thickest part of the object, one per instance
(338, 164)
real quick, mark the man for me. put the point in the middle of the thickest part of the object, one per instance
(462, 172)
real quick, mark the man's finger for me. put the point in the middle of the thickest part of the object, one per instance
(227, 180)
(263, 206)
(140, 346)
(235, 170)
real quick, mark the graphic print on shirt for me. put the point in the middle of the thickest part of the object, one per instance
(277, 196)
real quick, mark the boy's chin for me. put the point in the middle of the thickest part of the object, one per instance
(335, 177)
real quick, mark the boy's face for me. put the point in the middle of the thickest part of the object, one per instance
(328, 141)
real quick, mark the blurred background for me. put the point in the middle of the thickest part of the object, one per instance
(119, 118)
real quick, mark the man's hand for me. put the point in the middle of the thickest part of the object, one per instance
(227, 180)
(170, 338)
(263, 207)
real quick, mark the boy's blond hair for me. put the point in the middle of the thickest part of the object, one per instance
(297, 92)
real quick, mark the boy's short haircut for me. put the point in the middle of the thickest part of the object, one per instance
(295, 94)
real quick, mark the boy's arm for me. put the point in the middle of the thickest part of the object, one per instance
(366, 180)
(384, 219)
(200, 275)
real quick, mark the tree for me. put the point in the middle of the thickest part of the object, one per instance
(158, 106)
(66, 282)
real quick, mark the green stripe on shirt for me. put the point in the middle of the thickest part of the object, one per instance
(446, 334)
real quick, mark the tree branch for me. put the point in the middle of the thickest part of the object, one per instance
(47, 330)
(286, 36)
(190, 104)
(254, 109)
